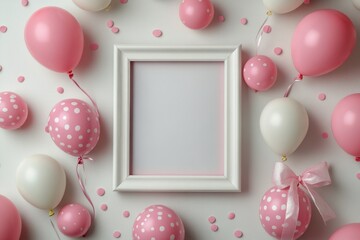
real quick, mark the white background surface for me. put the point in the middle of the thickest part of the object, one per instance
(136, 20)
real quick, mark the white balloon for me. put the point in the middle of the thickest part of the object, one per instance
(41, 181)
(284, 123)
(282, 6)
(356, 4)
(92, 5)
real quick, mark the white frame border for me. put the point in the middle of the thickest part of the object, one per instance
(231, 181)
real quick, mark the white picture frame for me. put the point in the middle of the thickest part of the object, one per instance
(124, 55)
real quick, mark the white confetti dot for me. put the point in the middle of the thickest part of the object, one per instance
(74, 103)
(278, 217)
(4, 109)
(77, 110)
(66, 126)
(283, 195)
(274, 207)
(283, 207)
(15, 106)
(267, 218)
(56, 120)
(77, 128)
(273, 227)
(69, 136)
(66, 109)
(265, 207)
(2, 120)
(162, 228)
(268, 199)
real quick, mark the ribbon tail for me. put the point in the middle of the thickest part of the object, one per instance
(81, 89)
(260, 34)
(54, 228)
(82, 186)
(292, 213)
(324, 209)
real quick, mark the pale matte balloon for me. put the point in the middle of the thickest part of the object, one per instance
(41, 181)
(10, 220)
(347, 232)
(356, 4)
(282, 6)
(284, 123)
(92, 5)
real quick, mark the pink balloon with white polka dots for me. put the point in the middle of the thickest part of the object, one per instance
(273, 211)
(13, 111)
(74, 126)
(74, 220)
(158, 222)
(260, 73)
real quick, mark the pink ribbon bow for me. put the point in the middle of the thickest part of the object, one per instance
(314, 177)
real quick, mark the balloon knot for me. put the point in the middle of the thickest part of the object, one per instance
(80, 160)
(51, 213)
(71, 74)
(269, 13)
(357, 159)
(283, 158)
(300, 76)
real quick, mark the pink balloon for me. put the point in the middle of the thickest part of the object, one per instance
(273, 208)
(74, 220)
(10, 220)
(347, 232)
(158, 222)
(260, 73)
(74, 126)
(55, 39)
(345, 124)
(196, 14)
(322, 41)
(13, 111)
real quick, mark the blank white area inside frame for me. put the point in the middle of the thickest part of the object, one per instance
(177, 118)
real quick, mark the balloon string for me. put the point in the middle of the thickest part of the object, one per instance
(71, 76)
(54, 228)
(81, 181)
(296, 79)
(260, 32)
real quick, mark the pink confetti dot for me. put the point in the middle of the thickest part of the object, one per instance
(358, 176)
(104, 207)
(100, 192)
(94, 46)
(60, 90)
(243, 21)
(115, 29)
(116, 234)
(238, 233)
(110, 23)
(126, 214)
(24, 2)
(3, 29)
(278, 50)
(322, 96)
(221, 18)
(325, 135)
(157, 33)
(123, 1)
(231, 216)
(212, 219)
(214, 227)
(21, 79)
(266, 29)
